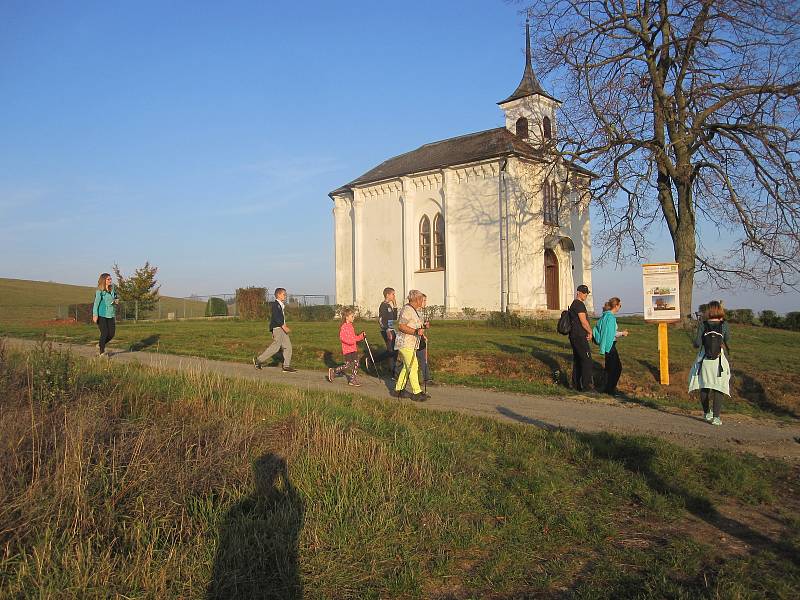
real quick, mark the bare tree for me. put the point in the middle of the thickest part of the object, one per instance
(688, 112)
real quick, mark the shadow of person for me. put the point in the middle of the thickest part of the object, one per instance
(150, 340)
(751, 390)
(256, 553)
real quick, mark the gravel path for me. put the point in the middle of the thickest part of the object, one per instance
(762, 437)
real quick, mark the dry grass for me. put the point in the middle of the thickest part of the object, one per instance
(118, 481)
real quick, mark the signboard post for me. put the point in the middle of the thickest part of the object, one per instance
(661, 305)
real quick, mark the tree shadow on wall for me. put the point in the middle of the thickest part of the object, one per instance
(257, 553)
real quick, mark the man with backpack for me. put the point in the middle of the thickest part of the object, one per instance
(580, 333)
(711, 372)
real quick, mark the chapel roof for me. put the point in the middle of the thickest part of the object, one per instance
(459, 150)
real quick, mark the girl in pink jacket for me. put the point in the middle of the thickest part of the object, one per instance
(349, 339)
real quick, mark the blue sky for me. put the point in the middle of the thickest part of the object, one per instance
(204, 137)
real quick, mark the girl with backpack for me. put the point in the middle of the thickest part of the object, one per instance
(605, 335)
(711, 373)
(349, 339)
(103, 311)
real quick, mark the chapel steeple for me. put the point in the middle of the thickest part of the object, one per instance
(530, 111)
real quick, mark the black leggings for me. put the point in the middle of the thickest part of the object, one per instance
(581, 364)
(709, 396)
(108, 328)
(613, 369)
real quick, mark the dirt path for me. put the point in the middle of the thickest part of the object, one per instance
(762, 437)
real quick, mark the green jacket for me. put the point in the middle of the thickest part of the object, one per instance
(604, 332)
(103, 304)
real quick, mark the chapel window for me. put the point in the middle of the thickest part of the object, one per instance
(522, 128)
(438, 242)
(547, 129)
(425, 243)
(550, 202)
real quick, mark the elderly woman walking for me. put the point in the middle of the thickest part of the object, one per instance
(711, 373)
(410, 327)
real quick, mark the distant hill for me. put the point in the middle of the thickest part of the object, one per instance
(24, 300)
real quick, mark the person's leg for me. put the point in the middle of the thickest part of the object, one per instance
(576, 366)
(423, 365)
(112, 329)
(717, 396)
(101, 325)
(408, 372)
(286, 346)
(704, 399)
(354, 369)
(587, 378)
(272, 348)
(613, 369)
(348, 358)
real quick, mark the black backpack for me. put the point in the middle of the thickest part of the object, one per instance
(564, 323)
(712, 342)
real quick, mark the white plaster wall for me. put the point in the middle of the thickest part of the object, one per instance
(534, 108)
(343, 248)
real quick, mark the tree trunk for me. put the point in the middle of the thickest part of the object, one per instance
(684, 243)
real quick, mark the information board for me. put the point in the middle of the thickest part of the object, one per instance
(661, 292)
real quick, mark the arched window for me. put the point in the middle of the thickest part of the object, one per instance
(438, 242)
(550, 202)
(425, 243)
(546, 128)
(522, 127)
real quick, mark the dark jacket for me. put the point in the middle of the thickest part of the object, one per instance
(704, 326)
(277, 319)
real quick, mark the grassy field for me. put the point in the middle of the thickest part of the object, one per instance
(764, 362)
(23, 301)
(119, 481)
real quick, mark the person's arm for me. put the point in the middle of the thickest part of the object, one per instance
(585, 324)
(726, 336)
(698, 339)
(96, 305)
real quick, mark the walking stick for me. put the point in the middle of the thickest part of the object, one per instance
(371, 357)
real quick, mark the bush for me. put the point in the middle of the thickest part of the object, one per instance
(82, 313)
(216, 307)
(740, 315)
(506, 320)
(316, 312)
(792, 321)
(251, 303)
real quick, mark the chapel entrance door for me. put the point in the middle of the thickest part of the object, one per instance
(551, 279)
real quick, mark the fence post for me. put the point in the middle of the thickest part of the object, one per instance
(184, 308)
(136, 309)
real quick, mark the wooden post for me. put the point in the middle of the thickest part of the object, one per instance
(663, 353)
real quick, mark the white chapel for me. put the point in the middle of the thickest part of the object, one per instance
(492, 220)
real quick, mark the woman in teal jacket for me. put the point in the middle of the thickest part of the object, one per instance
(103, 310)
(605, 334)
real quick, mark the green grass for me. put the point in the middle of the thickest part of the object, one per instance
(124, 481)
(538, 361)
(23, 301)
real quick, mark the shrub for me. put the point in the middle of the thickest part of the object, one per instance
(792, 321)
(316, 312)
(216, 307)
(740, 315)
(251, 303)
(506, 320)
(82, 313)
(469, 312)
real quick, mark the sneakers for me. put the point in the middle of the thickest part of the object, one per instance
(354, 383)
(716, 421)
(289, 370)
(420, 397)
(330, 376)
(256, 364)
(397, 393)
(709, 416)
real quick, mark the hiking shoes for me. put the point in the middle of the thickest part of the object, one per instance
(330, 375)
(397, 393)
(709, 416)
(256, 364)
(420, 397)
(289, 370)
(354, 383)
(716, 421)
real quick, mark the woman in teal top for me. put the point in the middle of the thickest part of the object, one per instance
(605, 334)
(103, 310)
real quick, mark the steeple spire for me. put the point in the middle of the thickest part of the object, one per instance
(529, 84)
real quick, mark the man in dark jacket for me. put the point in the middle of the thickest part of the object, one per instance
(580, 334)
(280, 335)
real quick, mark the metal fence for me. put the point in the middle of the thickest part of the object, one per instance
(195, 306)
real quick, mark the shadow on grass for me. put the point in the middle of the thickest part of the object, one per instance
(150, 340)
(638, 457)
(257, 552)
(549, 358)
(507, 412)
(752, 391)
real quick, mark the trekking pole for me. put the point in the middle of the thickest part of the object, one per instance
(371, 357)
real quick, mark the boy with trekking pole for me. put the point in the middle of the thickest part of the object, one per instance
(410, 327)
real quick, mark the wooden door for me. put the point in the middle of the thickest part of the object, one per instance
(551, 279)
